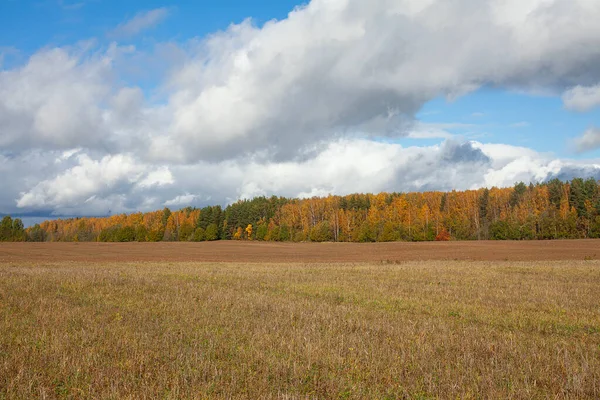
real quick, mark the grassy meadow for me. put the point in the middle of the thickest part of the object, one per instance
(415, 330)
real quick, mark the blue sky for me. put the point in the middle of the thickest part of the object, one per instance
(112, 106)
(540, 122)
(30, 25)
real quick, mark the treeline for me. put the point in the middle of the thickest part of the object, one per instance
(12, 230)
(552, 210)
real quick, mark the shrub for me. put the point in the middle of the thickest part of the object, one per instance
(443, 236)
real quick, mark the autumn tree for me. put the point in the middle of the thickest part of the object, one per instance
(549, 210)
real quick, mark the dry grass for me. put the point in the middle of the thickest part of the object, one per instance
(187, 330)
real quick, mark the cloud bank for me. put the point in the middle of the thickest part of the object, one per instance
(77, 184)
(307, 105)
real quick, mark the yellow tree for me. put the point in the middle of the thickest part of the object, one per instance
(238, 234)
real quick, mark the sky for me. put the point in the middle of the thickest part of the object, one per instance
(109, 107)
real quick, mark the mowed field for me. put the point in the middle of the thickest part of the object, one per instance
(244, 251)
(251, 320)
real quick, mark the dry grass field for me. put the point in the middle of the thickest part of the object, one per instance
(386, 330)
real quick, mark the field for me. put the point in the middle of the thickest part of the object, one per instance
(251, 320)
(242, 251)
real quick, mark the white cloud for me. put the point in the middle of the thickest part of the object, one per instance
(181, 201)
(502, 154)
(159, 177)
(338, 68)
(582, 98)
(590, 140)
(331, 69)
(140, 22)
(86, 182)
(430, 133)
(124, 184)
(290, 107)
(53, 101)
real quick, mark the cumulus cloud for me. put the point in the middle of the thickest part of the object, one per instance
(582, 98)
(64, 98)
(590, 140)
(331, 69)
(90, 186)
(577, 171)
(345, 67)
(181, 201)
(311, 104)
(140, 22)
(159, 177)
(53, 101)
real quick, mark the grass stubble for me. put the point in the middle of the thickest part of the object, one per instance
(415, 330)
